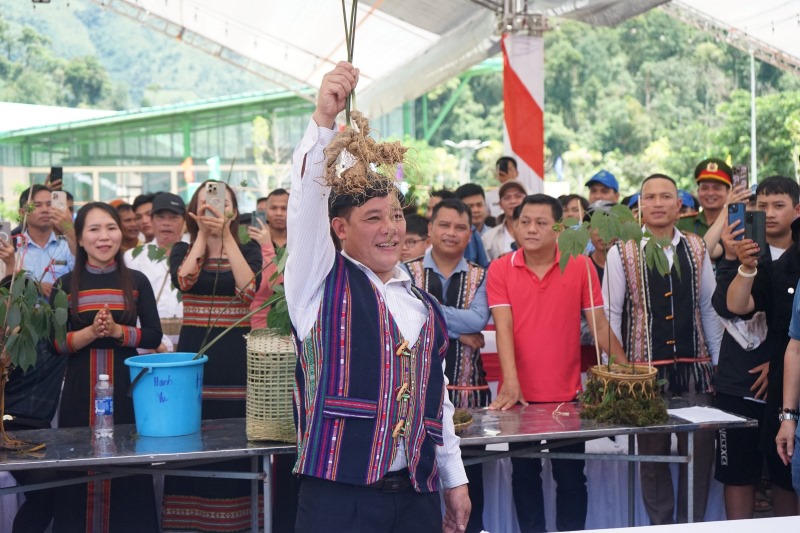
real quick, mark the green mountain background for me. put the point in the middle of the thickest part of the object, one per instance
(649, 95)
(145, 67)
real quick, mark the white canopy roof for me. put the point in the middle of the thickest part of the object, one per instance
(406, 47)
(293, 43)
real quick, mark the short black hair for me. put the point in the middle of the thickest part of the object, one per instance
(417, 225)
(276, 192)
(506, 158)
(262, 199)
(452, 203)
(780, 185)
(658, 177)
(540, 199)
(143, 199)
(124, 207)
(565, 199)
(470, 189)
(31, 191)
(444, 194)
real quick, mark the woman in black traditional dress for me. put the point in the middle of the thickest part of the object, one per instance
(216, 275)
(105, 300)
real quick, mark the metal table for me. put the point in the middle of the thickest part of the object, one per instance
(218, 440)
(561, 425)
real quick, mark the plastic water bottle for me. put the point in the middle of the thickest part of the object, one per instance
(103, 408)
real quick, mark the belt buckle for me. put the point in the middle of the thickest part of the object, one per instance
(395, 484)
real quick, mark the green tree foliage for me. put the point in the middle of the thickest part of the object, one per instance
(649, 95)
(31, 73)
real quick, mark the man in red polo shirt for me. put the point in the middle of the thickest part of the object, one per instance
(536, 310)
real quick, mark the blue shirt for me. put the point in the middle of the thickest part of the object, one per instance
(461, 321)
(475, 251)
(49, 263)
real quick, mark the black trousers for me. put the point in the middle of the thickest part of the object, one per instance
(571, 494)
(342, 508)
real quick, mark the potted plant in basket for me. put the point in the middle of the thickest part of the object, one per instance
(619, 392)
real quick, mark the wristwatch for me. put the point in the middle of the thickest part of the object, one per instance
(788, 416)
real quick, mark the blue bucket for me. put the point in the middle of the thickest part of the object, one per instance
(167, 393)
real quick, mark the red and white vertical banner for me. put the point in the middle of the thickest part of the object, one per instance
(523, 99)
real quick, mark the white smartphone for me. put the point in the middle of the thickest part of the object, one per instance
(215, 197)
(5, 230)
(58, 200)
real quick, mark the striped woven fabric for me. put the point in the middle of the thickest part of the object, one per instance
(96, 299)
(184, 513)
(205, 310)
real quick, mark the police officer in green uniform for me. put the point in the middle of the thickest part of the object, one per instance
(713, 177)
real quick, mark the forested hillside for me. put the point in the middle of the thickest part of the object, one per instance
(145, 67)
(651, 94)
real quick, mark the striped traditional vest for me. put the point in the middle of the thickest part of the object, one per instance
(463, 367)
(670, 333)
(358, 391)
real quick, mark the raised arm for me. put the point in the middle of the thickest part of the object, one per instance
(308, 242)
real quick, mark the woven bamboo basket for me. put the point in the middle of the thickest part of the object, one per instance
(630, 379)
(270, 378)
(462, 419)
(171, 326)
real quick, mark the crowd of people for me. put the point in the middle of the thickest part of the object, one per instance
(388, 309)
(129, 271)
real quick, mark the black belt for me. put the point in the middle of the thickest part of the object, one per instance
(397, 481)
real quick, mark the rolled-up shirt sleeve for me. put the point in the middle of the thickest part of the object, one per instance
(470, 320)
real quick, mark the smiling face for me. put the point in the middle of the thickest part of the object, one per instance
(129, 228)
(100, 238)
(659, 203)
(373, 234)
(598, 191)
(712, 195)
(449, 232)
(535, 229)
(574, 209)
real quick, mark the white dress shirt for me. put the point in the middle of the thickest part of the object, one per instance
(311, 256)
(615, 288)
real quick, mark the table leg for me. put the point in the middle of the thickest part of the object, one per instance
(631, 482)
(690, 479)
(254, 495)
(267, 494)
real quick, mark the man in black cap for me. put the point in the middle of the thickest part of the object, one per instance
(713, 177)
(151, 259)
(375, 427)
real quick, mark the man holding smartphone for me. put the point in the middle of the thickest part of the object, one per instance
(765, 283)
(505, 171)
(46, 255)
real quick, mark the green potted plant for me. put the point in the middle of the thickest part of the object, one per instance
(618, 392)
(25, 319)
